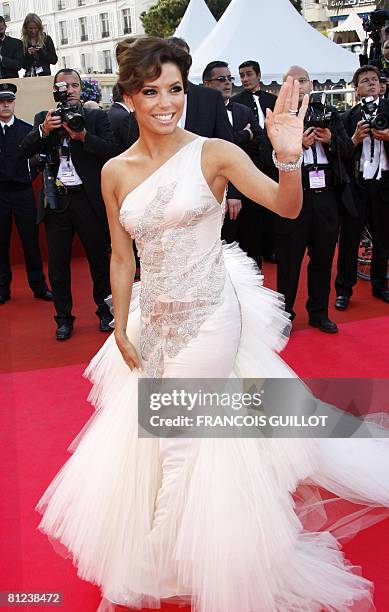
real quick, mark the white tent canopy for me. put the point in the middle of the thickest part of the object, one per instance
(353, 23)
(196, 24)
(276, 35)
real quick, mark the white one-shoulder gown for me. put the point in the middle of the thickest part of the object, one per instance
(212, 521)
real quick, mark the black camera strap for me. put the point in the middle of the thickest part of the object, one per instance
(314, 153)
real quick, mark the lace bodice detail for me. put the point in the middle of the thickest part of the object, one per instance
(176, 222)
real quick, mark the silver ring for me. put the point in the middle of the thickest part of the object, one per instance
(293, 112)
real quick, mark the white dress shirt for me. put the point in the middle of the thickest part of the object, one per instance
(261, 116)
(372, 167)
(10, 122)
(321, 155)
(229, 113)
(182, 120)
(67, 173)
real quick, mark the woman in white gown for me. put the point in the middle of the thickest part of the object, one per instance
(209, 521)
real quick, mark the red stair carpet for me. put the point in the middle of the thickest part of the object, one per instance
(43, 401)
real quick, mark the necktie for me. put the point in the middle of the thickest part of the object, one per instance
(6, 128)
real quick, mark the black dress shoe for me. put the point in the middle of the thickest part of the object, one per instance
(45, 295)
(325, 325)
(382, 295)
(342, 302)
(4, 297)
(104, 325)
(64, 331)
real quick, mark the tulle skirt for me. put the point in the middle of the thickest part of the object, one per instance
(229, 525)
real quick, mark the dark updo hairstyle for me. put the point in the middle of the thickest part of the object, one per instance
(142, 60)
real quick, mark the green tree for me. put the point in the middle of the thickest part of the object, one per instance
(163, 18)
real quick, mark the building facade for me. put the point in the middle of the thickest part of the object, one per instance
(85, 32)
(332, 12)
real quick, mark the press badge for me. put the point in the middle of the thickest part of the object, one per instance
(66, 172)
(317, 179)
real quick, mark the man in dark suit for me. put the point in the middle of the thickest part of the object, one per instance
(325, 190)
(261, 241)
(74, 203)
(123, 123)
(247, 135)
(369, 171)
(11, 54)
(252, 95)
(17, 200)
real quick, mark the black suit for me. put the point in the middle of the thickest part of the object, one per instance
(258, 240)
(266, 100)
(17, 202)
(124, 126)
(259, 150)
(43, 58)
(316, 228)
(372, 201)
(11, 50)
(81, 210)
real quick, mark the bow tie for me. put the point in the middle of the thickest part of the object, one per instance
(229, 106)
(257, 93)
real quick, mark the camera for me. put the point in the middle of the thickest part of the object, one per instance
(318, 114)
(64, 111)
(372, 25)
(376, 120)
(375, 21)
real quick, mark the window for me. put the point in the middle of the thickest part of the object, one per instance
(63, 62)
(126, 16)
(6, 12)
(63, 31)
(61, 5)
(107, 62)
(104, 23)
(81, 2)
(83, 25)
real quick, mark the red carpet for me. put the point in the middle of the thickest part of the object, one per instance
(44, 407)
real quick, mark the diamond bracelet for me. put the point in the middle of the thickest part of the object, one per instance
(288, 167)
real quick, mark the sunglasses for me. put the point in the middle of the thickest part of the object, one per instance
(223, 79)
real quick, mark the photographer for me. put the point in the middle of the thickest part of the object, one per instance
(11, 54)
(367, 124)
(379, 51)
(76, 143)
(325, 187)
(38, 47)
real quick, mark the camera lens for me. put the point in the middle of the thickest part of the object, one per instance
(75, 121)
(380, 122)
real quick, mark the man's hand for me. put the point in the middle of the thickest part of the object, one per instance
(248, 128)
(234, 207)
(362, 131)
(51, 123)
(75, 135)
(381, 134)
(309, 138)
(323, 135)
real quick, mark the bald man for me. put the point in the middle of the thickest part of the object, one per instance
(315, 230)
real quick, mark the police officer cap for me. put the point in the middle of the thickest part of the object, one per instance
(8, 91)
